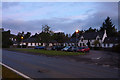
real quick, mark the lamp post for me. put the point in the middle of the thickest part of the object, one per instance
(76, 36)
(22, 40)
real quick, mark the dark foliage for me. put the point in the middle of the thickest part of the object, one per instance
(109, 27)
(6, 41)
(116, 48)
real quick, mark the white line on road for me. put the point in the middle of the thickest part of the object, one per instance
(19, 73)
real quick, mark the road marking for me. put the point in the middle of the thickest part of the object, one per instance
(19, 73)
(96, 58)
(105, 65)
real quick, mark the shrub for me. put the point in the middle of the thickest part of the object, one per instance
(116, 48)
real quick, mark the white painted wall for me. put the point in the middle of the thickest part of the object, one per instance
(29, 44)
(50, 44)
(36, 44)
(104, 36)
(39, 43)
(103, 45)
(33, 44)
(110, 45)
(44, 44)
(24, 43)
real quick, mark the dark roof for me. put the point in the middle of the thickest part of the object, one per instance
(112, 40)
(92, 35)
(30, 40)
(53, 41)
(12, 35)
(36, 40)
(72, 40)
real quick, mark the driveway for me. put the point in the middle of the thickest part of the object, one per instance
(102, 58)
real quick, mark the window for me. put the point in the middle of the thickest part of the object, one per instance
(104, 44)
(108, 44)
(80, 44)
(82, 40)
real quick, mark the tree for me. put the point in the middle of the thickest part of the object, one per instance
(96, 43)
(59, 37)
(6, 41)
(91, 30)
(27, 35)
(45, 35)
(78, 34)
(45, 28)
(18, 37)
(109, 27)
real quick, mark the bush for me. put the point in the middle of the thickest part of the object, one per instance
(5, 46)
(97, 48)
(23, 46)
(116, 48)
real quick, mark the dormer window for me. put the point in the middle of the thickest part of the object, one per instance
(98, 39)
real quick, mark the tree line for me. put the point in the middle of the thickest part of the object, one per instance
(48, 35)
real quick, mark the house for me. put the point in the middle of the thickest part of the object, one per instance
(91, 38)
(31, 42)
(72, 42)
(109, 42)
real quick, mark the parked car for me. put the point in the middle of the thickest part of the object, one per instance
(83, 49)
(66, 48)
(72, 48)
(57, 47)
(39, 47)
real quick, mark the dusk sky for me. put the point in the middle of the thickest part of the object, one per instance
(60, 16)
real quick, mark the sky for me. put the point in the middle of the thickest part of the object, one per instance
(60, 16)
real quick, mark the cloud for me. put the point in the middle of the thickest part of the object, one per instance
(9, 4)
(65, 17)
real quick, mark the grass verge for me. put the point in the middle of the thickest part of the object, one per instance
(48, 52)
(9, 74)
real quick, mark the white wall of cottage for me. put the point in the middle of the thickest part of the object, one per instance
(104, 36)
(110, 45)
(50, 44)
(33, 44)
(84, 42)
(44, 44)
(29, 44)
(24, 43)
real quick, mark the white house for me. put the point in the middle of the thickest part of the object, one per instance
(91, 37)
(32, 42)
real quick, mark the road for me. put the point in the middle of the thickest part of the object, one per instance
(36, 66)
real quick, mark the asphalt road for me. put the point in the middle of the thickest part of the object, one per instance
(36, 66)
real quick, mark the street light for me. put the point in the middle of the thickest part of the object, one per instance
(22, 40)
(76, 36)
(77, 31)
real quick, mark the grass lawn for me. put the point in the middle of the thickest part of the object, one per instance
(7, 73)
(48, 52)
